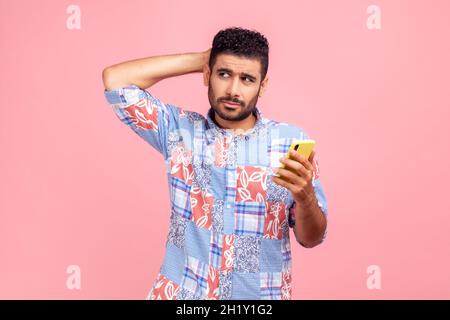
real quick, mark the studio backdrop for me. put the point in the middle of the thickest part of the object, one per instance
(84, 202)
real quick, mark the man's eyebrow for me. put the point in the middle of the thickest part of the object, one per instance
(231, 72)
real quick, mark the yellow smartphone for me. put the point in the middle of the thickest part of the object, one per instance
(304, 147)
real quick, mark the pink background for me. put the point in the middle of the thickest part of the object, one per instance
(79, 188)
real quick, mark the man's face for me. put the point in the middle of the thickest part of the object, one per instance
(235, 80)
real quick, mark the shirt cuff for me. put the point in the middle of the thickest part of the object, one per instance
(125, 95)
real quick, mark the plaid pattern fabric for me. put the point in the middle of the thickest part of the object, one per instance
(216, 249)
(250, 218)
(229, 225)
(180, 197)
(286, 254)
(230, 189)
(278, 149)
(271, 285)
(195, 276)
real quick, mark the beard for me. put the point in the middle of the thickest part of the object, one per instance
(241, 113)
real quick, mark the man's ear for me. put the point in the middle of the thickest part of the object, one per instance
(206, 74)
(263, 86)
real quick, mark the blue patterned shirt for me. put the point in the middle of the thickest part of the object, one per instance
(229, 222)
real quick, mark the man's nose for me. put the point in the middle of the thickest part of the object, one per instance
(233, 88)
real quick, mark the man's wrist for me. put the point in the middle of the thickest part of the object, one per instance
(306, 208)
(307, 202)
(205, 56)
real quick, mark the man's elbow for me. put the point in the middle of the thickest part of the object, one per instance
(118, 76)
(309, 245)
(108, 78)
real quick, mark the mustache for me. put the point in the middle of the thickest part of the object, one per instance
(232, 101)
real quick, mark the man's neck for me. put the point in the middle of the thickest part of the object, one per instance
(238, 126)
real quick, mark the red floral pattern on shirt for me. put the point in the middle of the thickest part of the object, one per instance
(251, 184)
(143, 114)
(164, 289)
(221, 149)
(286, 286)
(274, 220)
(181, 163)
(201, 204)
(212, 291)
(227, 253)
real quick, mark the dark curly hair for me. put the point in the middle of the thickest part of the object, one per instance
(243, 43)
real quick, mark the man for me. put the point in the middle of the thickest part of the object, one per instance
(230, 216)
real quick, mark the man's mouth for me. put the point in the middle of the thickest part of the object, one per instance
(231, 105)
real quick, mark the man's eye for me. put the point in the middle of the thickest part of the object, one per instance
(244, 78)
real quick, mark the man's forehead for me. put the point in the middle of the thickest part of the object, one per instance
(237, 64)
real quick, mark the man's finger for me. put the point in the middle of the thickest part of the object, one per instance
(298, 157)
(288, 175)
(282, 183)
(311, 156)
(295, 166)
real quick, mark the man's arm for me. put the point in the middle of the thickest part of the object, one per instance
(149, 117)
(310, 223)
(146, 72)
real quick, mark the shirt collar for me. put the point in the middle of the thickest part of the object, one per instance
(214, 130)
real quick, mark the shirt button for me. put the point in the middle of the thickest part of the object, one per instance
(247, 137)
(228, 206)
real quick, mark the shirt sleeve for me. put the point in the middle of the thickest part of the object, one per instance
(145, 114)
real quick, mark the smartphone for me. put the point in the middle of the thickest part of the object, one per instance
(304, 147)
